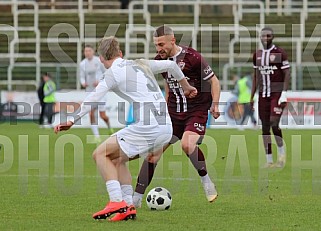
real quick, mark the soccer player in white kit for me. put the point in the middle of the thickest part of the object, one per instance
(134, 81)
(91, 70)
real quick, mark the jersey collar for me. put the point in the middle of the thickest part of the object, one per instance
(269, 48)
(177, 54)
(117, 61)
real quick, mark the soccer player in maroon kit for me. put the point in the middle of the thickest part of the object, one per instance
(272, 76)
(189, 116)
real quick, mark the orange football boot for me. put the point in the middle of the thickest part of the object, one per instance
(111, 208)
(129, 214)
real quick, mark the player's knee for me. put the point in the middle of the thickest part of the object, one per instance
(116, 162)
(266, 130)
(277, 131)
(188, 147)
(274, 123)
(95, 155)
(153, 159)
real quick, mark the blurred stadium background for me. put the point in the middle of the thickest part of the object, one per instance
(48, 36)
(45, 177)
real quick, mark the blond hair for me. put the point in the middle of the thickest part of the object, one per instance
(108, 47)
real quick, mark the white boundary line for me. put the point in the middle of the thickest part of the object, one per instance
(155, 178)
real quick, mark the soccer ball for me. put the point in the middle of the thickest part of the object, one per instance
(159, 199)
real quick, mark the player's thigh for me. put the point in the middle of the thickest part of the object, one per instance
(195, 128)
(178, 130)
(264, 109)
(110, 148)
(276, 110)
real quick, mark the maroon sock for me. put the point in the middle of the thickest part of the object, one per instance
(145, 176)
(198, 160)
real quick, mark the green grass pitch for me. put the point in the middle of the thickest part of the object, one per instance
(50, 182)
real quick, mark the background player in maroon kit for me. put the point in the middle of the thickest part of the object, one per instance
(272, 75)
(189, 116)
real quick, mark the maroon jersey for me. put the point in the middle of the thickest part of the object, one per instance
(269, 65)
(197, 72)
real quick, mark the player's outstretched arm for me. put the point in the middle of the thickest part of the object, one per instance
(189, 90)
(63, 127)
(86, 106)
(254, 80)
(216, 92)
(159, 66)
(283, 98)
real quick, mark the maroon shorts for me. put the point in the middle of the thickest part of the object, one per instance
(269, 108)
(192, 121)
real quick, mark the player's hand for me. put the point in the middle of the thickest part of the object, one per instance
(96, 83)
(63, 127)
(283, 100)
(84, 85)
(215, 111)
(190, 92)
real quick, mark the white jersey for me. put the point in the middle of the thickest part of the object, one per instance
(91, 71)
(135, 82)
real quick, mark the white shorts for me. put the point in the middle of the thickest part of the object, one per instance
(140, 140)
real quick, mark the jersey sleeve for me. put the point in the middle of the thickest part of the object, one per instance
(285, 62)
(200, 64)
(160, 66)
(105, 85)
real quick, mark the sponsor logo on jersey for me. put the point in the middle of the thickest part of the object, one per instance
(277, 110)
(207, 70)
(272, 58)
(199, 127)
(267, 70)
(181, 64)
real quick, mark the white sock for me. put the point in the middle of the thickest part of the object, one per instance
(281, 151)
(94, 128)
(127, 193)
(114, 190)
(138, 195)
(269, 158)
(206, 179)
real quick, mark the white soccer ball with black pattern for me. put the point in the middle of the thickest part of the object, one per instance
(159, 198)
